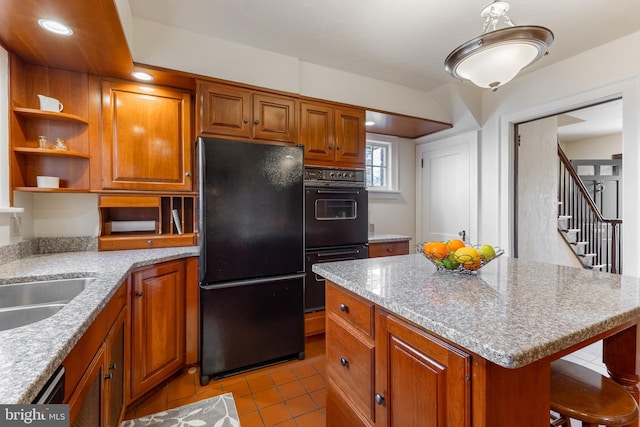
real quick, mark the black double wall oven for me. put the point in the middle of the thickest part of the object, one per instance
(336, 224)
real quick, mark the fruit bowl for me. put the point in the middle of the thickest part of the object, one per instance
(465, 259)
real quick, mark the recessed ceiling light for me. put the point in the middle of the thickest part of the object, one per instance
(55, 27)
(369, 123)
(141, 75)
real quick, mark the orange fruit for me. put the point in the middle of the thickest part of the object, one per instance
(455, 244)
(438, 250)
(468, 257)
(426, 249)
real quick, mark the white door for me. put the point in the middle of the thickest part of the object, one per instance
(446, 199)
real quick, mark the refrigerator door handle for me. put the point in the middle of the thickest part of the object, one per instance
(251, 281)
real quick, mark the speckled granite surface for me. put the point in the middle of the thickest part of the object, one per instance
(30, 354)
(388, 238)
(511, 313)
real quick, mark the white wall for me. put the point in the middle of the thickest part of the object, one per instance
(600, 147)
(396, 213)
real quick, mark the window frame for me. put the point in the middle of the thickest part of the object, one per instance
(391, 145)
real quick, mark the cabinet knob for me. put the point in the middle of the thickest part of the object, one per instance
(112, 367)
(330, 147)
(389, 250)
(379, 399)
(187, 174)
(149, 242)
(344, 362)
(108, 376)
(344, 308)
(138, 294)
(337, 147)
(257, 122)
(245, 121)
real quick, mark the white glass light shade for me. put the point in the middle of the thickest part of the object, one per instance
(495, 58)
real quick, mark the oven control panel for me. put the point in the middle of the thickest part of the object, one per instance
(334, 176)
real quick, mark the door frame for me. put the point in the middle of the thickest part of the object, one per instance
(471, 139)
(629, 91)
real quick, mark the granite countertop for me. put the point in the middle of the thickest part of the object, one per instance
(31, 353)
(511, 313)
(388, 238)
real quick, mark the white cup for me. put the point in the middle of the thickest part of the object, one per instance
(50, 104)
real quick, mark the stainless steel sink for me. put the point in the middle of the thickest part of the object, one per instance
(25, 303)
(59, 291)
(13, 317)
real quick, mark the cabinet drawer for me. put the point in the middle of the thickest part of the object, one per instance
(388, 249)
(355, 310)
(350, 363)
(339, 412)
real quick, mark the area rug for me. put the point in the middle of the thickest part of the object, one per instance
(218, 411)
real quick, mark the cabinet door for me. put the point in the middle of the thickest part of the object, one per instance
(317, 132)
(86, 407)
(114, 373)
(226, 110)
(274, 118)
(350, 137)
(157, 325)
(422, 380)
(146, 138)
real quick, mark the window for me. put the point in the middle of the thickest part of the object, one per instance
(381, 163)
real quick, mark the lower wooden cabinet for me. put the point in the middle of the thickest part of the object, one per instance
(404, 377)
(421, 380)
(97, 393)
(388, 249)
(157, 325)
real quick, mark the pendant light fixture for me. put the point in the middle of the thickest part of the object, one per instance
(497, 56)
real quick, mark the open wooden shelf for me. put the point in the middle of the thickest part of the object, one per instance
(48, 115)
(49, 152)
(52, 190)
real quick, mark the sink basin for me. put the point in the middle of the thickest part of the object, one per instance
(59, 291)
(13, 317)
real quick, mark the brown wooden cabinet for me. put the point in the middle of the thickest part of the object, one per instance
(350, 357)
(27, 123)
(95, 368)
(147, 143)
(421, 380)
(332, 135)
(157, 325)
(380, 249)
(384, 371)
(238, 112)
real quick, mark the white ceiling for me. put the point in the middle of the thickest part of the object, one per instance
(591, 122)
(400, 41)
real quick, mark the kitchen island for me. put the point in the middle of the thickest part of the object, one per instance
(490, 337)
(30, 354)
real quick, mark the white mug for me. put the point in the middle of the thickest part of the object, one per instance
(50, 104)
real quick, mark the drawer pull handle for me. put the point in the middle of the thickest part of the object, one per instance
(112, 366)
(344, 362)
(379, 398)
(344, 308)
(109, 376)
(389, 250)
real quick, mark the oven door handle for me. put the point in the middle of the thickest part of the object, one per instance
(337, 253)
(337, 192)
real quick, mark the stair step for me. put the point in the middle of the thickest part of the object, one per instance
(579, 243)
(598, 267)
(564, 217)
(587, 255)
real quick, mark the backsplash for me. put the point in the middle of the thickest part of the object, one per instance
(46, 245)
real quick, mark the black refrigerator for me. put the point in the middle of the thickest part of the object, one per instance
(251, 206)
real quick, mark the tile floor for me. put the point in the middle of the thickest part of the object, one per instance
(290, 394)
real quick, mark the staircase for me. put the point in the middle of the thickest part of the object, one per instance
(594, 240)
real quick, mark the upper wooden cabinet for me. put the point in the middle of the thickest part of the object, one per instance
(147, 143)
(332, 135)
(244, 113)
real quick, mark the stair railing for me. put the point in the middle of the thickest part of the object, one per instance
(601, 235)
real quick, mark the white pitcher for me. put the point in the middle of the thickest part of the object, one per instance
(50, 104)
